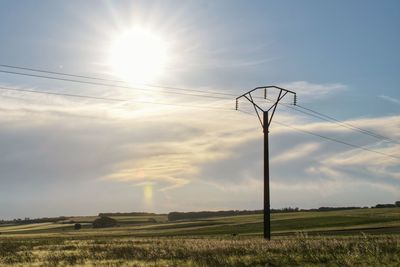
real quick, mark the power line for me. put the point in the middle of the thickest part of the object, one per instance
(340, 123)
(330, 119)
(208, 92)
(63, 94)
(181, 105)
(108, 98)
(329, 138)
(109, 85)
(113, 80)
(350, 125)
(313, 113)
(337, 141)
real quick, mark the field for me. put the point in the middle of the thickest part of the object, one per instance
(366, 237)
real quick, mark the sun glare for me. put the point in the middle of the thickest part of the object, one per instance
(148, 192)
(138, 56)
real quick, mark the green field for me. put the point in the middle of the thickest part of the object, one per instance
(368, 237)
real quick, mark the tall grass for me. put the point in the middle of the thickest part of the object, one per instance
(239, 251)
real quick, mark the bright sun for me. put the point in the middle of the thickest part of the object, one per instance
(138, 56)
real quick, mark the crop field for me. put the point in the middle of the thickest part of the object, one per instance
(366, 237)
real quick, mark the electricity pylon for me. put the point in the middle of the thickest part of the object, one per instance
(265, 123)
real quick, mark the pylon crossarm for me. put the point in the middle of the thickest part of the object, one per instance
(272, 86)
(282, 93)
(266, 87)
(265, 95)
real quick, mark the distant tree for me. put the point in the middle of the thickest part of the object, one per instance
(174, 216)
(385, 206)
(103, 222)
(152, 220)
(397, 203)
(77, 226)
(114, 214)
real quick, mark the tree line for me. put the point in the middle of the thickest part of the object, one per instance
(126, 214)
(173, 216)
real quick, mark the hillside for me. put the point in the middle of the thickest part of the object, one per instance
(383, 220)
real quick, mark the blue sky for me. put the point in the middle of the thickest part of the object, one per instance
(71, 156)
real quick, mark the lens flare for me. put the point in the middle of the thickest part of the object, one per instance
(148, 193)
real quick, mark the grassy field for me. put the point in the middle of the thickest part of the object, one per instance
(366, 237)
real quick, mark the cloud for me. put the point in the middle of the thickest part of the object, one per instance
(390, 99)
(69, 141)
(215, 153)
(369, 165)
(296, 152)
(307, 163)
(180, 162)
(348, 165)
(307, 91)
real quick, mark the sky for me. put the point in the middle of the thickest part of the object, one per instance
(159, 151)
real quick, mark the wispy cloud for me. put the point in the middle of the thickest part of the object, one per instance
(390, 99)
(309, 91)
(303, 150)
(221, 150)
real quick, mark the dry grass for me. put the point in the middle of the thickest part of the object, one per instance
(301, 250)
